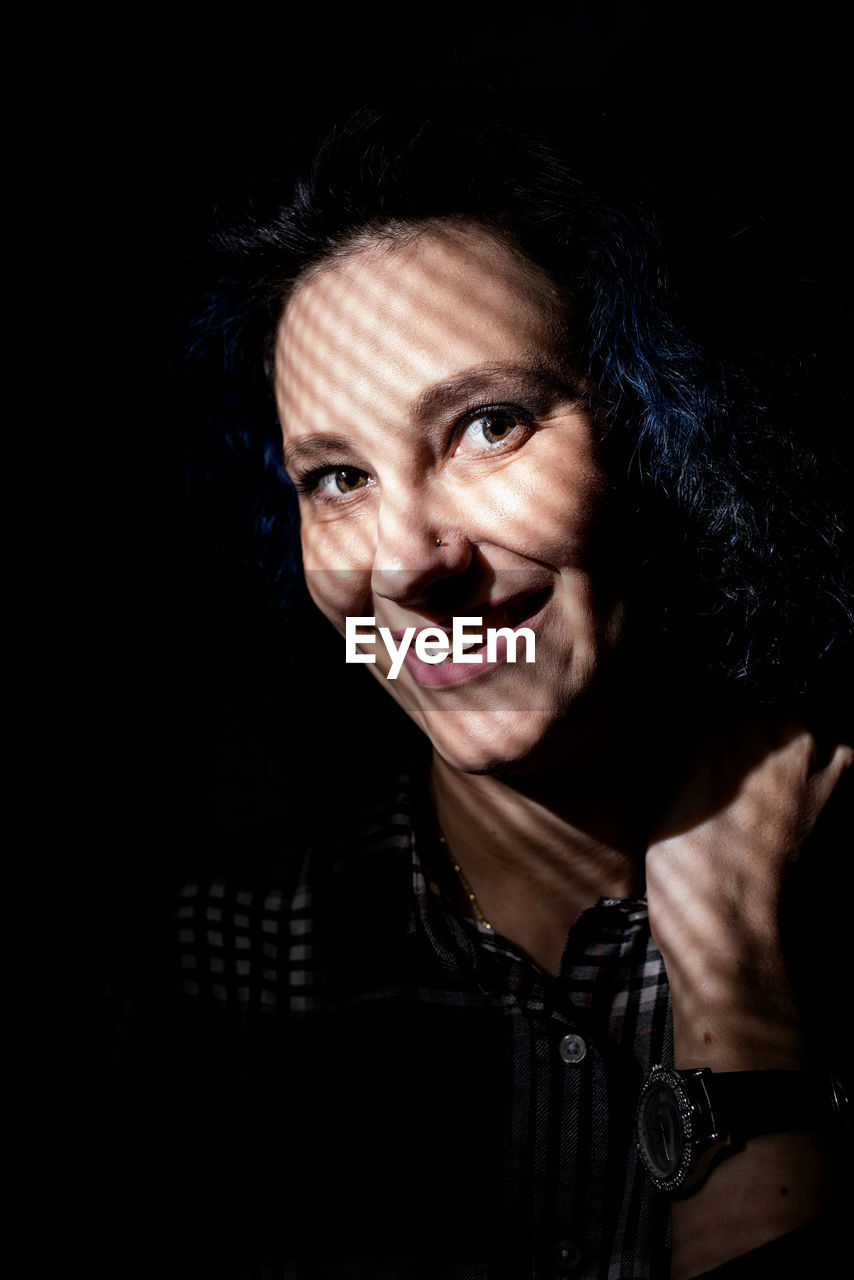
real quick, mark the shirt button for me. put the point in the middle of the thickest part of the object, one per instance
(572, 1048)
(566, 1256)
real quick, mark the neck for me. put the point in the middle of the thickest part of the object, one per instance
(538, 851)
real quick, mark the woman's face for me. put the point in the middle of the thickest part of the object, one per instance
(447, 467)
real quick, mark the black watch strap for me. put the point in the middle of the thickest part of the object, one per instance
(749, 1103)
(688, 1119)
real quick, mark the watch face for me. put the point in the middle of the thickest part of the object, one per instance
(660, 1130)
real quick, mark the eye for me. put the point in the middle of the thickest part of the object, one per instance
(331, 482)
(488, 429)
(341, 480)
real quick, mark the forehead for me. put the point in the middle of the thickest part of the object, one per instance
(392, 319)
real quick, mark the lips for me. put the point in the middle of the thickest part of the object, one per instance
(514, 611)
(508, 611)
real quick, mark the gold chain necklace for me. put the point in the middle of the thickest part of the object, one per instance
(464, 881)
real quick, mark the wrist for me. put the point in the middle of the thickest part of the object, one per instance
(745, 1027)
(743, 1048)
(727, 1045)
(688, 1120)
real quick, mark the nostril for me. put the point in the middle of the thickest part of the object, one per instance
(439, 575)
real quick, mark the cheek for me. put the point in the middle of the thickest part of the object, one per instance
(337, 586)
(554, 511)
(342, 544)
(339, 594)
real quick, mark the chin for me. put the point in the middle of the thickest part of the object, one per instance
(489, 744)
(546, 736)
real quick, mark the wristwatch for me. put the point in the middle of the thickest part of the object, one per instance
(687, 1119)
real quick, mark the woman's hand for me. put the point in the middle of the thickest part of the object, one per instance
(716, 865)
(715, 871)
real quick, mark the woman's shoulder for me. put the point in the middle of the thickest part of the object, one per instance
(256, 922)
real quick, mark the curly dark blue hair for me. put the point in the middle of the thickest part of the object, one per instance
(737, 524)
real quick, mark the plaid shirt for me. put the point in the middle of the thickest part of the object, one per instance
(416, 1099)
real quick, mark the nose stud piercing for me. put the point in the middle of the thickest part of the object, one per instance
(440, 543)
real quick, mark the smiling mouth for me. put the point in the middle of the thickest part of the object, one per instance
(510, 612)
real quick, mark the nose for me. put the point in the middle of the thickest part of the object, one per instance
(416, 551)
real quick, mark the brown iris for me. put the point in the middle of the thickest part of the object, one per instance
(496, 426)
(349, 478)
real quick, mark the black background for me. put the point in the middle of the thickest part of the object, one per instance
(738, 114)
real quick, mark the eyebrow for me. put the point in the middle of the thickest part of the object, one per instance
(542, 381)
(314, 447)
(542, 384)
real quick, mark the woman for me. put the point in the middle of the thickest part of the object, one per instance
(459, 996)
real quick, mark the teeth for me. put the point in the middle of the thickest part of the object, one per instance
(447, 654)
(436, 649)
